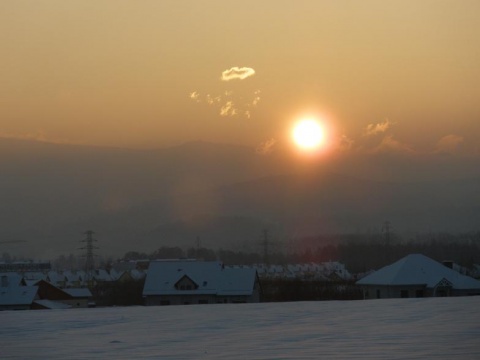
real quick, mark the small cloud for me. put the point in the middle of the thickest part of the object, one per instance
(256, 100)
(266, 147)
(391, 145)
(228, 109)
(237, 73)
(195, 96)
(209, 99)
(374, 129)
(449, 144)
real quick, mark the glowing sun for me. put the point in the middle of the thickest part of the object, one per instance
(308, 134)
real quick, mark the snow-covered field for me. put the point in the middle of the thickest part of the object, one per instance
(440, 328)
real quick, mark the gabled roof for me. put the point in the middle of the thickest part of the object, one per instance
(78, 292)
(17, 295)
(417, 269)
(211, 277)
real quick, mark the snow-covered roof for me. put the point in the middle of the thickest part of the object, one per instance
(211, 277)
(237, 281)
(34, 275)
(101, 275)
(49, 304)
(71, 276)
(78, 292)
(417, 269)
(8, 279)
(137, 274)
(18, 295)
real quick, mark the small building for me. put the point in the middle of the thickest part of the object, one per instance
(417, 276)
(182, 282)
(72, 297)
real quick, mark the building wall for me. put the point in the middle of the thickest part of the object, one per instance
(199, 299)
(388, 292)
(179, 299)
(76, 303)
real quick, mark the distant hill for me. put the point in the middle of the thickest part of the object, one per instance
(224, 194)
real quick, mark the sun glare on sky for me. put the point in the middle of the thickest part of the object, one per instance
(308, 134)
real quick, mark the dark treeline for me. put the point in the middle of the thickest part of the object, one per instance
(359, 253)
(280, 290)
(115, 293)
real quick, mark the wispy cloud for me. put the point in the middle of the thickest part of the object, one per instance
(266, 147)
(40, 136)
(449, 144)
(239, 73)
(345, 143)
(391, 145)
(374, 129)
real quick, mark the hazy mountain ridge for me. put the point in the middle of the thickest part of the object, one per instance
(224, 194)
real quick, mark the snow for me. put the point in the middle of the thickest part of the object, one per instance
(442, 328)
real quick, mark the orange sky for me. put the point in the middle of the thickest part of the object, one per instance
(402, 75)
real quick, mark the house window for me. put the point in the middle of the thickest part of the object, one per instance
(203, 301)
(165, 302)
(419, 293)
(378, 294)
(404, 293)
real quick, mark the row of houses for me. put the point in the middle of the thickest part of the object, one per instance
(188, 281)
(80, 278)
(170, 282)
(325, 271)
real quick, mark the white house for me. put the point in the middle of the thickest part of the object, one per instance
(417, 276)
(177, 282)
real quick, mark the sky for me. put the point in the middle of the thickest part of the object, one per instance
(399, 76)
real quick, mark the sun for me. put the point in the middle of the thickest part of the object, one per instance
(308, 134)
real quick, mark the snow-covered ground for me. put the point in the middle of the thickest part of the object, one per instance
(440, 328)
